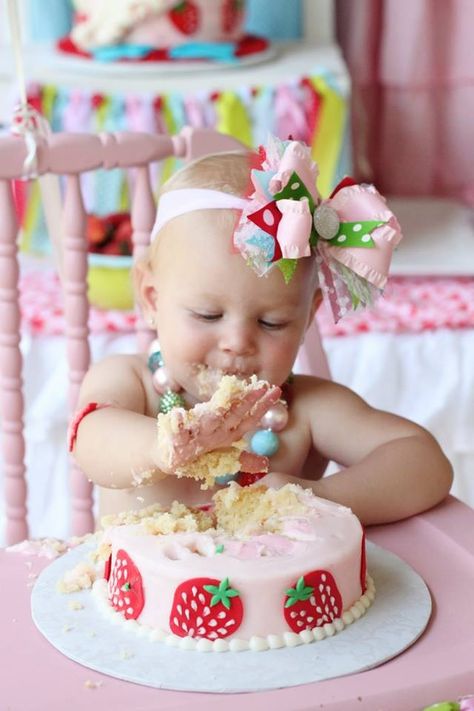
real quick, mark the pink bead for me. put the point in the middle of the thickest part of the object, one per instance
(162, 381)
(276, 418)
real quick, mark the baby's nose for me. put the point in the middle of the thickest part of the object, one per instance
(238, 338)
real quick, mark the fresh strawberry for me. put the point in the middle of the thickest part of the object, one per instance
(108, 567)
(313, 601)
(97, 231)
(204, 607)
(363, 565)
(232, 15)
(185, 16)
(125, 586)
(123, 236)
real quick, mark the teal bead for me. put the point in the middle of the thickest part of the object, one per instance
(265, 443)
(225, 478)
(155, 361)
(169, 400)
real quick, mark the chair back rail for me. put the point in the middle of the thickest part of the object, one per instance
(70, 155)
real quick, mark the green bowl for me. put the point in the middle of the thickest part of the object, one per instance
(110, 282)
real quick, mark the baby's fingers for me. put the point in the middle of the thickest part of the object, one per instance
(256, 401)
(255, 414)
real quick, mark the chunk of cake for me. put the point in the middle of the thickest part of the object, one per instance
(262, 569)
(206, 466)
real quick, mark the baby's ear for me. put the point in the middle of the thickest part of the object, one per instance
(144, 288)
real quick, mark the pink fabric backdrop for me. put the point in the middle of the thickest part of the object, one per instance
(412, 68)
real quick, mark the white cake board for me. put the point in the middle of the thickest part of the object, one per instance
(395, 620)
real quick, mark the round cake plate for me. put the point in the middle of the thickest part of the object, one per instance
(395, 620)
(82, 65)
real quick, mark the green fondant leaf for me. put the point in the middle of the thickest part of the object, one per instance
(221, 593)
(301, 591)
(215, 599)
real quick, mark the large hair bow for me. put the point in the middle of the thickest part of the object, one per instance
(352, 233)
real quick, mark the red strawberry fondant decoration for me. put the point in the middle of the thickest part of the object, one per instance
(108, 567)
(363, 565)
(185, 17)
(232, 14)
(204, 607)
(126, 587)
(313, 601)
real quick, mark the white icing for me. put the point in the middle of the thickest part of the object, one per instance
(256, 644)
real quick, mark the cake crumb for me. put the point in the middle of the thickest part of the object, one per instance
(89, 684)
(92, 633)
(79, 578)
(45, 547)
(126, 654)
(75, 605)
(68, 628)
(142, 478)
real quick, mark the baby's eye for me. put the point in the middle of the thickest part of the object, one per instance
(272, 325)
(207, 317)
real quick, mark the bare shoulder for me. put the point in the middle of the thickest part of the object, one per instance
(118, 380)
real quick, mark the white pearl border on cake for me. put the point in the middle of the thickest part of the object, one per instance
(254, 644)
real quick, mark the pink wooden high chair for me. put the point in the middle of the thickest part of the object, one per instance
(70, 155)
(438, 666)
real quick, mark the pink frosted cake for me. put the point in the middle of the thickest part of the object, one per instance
(261, 569)
(112, 30)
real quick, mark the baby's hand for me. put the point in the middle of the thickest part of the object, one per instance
(207, 427)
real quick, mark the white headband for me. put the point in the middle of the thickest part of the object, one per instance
(179, 202)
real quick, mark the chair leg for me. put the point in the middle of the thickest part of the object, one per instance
(76, 308)
(11, 381)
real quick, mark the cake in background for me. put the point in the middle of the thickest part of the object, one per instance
(160, 30)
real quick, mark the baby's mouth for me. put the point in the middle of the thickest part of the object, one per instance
(208, 378)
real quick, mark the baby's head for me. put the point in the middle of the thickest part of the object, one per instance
(208, 305)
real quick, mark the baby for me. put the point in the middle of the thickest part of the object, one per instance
(231, 285)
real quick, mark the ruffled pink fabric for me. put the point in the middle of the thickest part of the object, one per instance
(409, 305)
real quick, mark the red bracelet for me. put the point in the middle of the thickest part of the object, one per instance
(77, 419)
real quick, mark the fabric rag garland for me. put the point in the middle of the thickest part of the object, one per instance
(352, 233)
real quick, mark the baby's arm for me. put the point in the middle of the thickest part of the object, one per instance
(118, 446)
(393, 467)
(115, 446)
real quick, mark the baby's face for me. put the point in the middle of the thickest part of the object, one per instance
(214, 313)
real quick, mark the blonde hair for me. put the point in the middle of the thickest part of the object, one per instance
(227, 172)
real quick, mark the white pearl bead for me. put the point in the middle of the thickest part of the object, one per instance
(276, 418)
(162, 381)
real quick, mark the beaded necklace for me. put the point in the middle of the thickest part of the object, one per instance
(264, 441)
